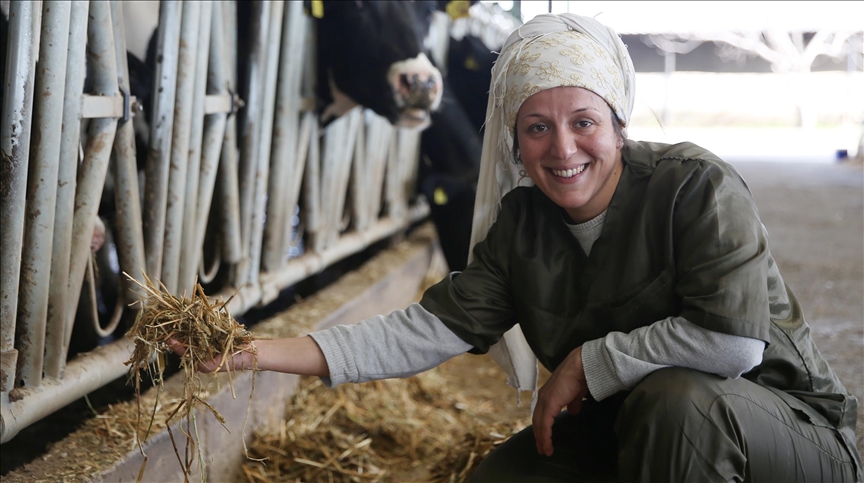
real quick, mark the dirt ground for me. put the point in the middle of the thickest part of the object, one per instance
(814, 214)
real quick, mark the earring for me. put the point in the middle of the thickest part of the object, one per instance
(522, 175)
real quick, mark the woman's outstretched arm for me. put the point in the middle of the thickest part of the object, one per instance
(295, 355)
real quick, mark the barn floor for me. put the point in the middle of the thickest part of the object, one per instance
(814, 214)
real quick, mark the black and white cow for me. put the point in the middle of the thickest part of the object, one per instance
(371, 54)
(452, 145)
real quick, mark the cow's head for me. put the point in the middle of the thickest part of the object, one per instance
(371, 53)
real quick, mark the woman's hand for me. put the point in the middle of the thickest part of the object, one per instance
(566, 387)
(295, 355)
(240, 360)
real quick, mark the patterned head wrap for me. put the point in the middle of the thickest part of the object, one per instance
(563, 58)
(548, 51)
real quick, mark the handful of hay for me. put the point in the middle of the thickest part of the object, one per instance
(205, 329)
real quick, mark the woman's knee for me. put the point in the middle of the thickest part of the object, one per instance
(674, 390)
(661, 428)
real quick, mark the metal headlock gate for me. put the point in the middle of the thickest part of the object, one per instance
(244, 177)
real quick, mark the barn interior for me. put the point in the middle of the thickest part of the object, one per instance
(195, 142)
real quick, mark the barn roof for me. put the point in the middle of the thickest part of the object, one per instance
(670, 17)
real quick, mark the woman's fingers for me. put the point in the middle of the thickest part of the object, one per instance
(212, 365)
(176, 346)
(565, 387)
(544, 417)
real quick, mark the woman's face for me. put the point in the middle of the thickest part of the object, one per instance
(570, 149)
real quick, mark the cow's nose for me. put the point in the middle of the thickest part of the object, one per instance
(418, 90)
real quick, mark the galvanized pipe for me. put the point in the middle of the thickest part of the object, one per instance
(186, 71)
(400, 184)
(334, 139)
(91, 175)
(214, 134)
(21, 53)
(102, 365)
(250, 128)
(229, 196)
(344, 174)
(261, 177)
(359, 190)
(392, 177)
(377, 150)
(312, 194)
(334, 135)
(158, 158)
(42, 191)
(229, 184)
(129, 235)
(188, 255)
(64, 211)
(83, 375)
(295, 176)
(283, 159)
(310, 263)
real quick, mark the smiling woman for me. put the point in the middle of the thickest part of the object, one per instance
(638, 273)
(567, 141)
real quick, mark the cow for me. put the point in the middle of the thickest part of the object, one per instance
(469, 72)
(372, 54)
(452, 145)
(360, 46)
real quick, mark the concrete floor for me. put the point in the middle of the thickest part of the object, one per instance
(814, 214)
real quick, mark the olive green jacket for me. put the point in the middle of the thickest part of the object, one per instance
(682, 237)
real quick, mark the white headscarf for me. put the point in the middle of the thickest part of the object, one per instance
(547, 51)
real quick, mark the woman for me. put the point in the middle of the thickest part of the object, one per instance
(639, 274)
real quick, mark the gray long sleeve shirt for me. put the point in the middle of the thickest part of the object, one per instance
(410, 341)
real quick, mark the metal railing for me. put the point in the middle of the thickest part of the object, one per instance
(214, 181)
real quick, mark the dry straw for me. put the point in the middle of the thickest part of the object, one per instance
(205, 329)
(417, 429)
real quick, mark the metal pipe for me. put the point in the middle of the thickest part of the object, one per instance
(188, 255)
(129, 236)
(295, 176)
(214, 135)
(310, 263)
(186, 70)
(21, 53)
(261, 177)
(96, 368)
(229, 184)
(64, 211)
(343, 173)
(42, 191)
(283, 159)
(91, 175)
(158, 158)
(334, 138)
(312, 193)
(360, 191)
(392, 176)
(380, 147)
(251, 132)
(229, 194)
(83, 375)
